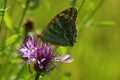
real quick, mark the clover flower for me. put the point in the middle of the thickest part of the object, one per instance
(42, 55)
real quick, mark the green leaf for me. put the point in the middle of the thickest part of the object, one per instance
(1, 14)
(104, 23)
(12, 39)
(67, 74)
(16, 60)
(2, 10)
(8, 21)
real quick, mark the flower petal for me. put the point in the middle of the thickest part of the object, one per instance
(65, 58)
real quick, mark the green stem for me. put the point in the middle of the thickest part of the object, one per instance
(88, 18)
(79, 9)
(1, 3)
(5, 2)
(93, 12)
(24, 12)
(37, 76)
(73, 2)
(20, 73)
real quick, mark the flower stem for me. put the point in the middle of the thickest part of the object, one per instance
(37, 76)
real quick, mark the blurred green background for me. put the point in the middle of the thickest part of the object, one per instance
(96, 53)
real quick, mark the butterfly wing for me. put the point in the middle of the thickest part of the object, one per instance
(62, 29)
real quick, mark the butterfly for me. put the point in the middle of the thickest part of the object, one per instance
(61, 30)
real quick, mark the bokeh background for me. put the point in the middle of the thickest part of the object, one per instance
(96, 53)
